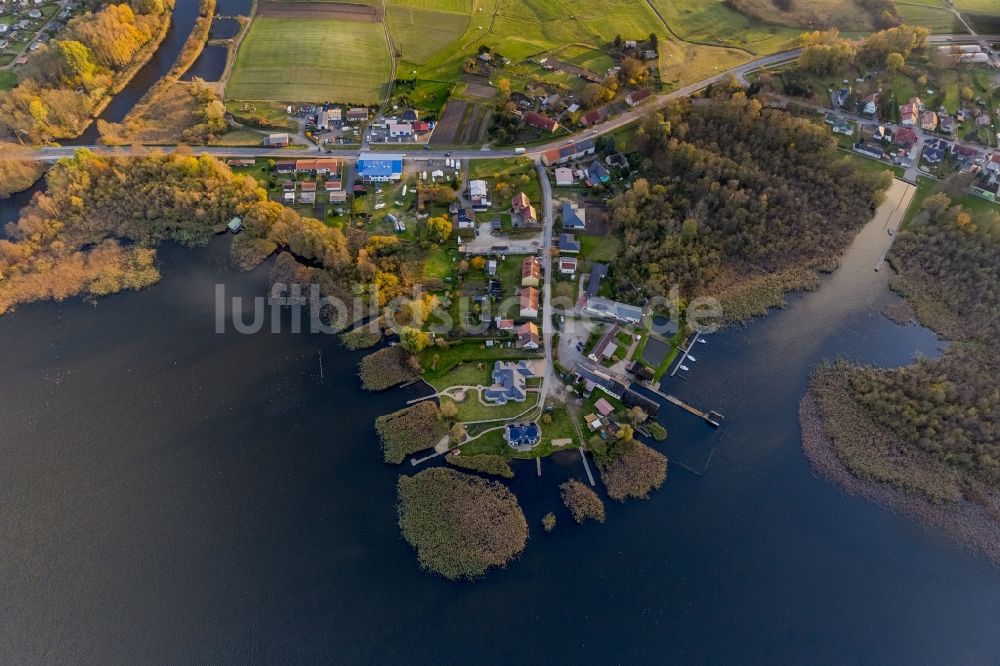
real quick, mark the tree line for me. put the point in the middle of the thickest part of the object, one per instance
(730, 186)
(64, 81)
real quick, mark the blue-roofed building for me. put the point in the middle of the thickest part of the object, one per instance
(573, 217)
(380, 167)
(509, 382)
(522, 436)
(569, 244)
(597, 174)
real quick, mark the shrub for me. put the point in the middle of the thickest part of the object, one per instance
(582, 502)
(549, 521)
(487, 463)
(632, 469)
(385, 368)
(410, 430)
(460, 525)
(361, 337)
(658, 432)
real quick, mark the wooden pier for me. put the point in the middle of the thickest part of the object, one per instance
(712, 418)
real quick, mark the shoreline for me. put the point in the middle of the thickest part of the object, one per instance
(965, 522)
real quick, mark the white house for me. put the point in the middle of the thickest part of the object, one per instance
(400, 130)
(479, 194)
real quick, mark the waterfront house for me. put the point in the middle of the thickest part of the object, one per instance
(606, 308)
(509, 382)
(522, 436)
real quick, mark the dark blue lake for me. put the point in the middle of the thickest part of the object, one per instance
(175, 495)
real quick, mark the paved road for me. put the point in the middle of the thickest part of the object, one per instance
(53, 153)
(547, 309)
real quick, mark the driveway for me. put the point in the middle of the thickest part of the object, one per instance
(488, 243)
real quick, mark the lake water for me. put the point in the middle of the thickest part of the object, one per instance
(174, 495)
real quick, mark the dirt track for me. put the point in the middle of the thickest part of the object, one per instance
(344, 11)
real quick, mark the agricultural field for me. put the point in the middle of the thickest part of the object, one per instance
(311, 60)
(713, 22)
(931, 16)
(978, 6)
(419, 34)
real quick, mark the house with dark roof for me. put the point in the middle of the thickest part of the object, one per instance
(569, 244)
(509, 382)
(567, 265)
(594, 378)
(573, 217)
(597, 273)
(595, 116)
(537, 120)
(634, 98)
(522, 436)
(357, 114)
(408, 116)
(947, 124)
(571, 151)
(597, 174)
(606, 308)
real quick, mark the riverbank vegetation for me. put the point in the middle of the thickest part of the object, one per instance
(174, 110)
(931, 428)
(17, 175)
(582, 502)
(487, 463)
(362, 337)
(735, 196)
(125, 207)
(630, 469)
(460, 525)
(409, 430)
(66, 81)
(386, 368)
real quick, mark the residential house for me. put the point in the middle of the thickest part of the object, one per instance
(908, 115)
(504, 324)
(597, 273)
(564, 177)
(570, 151)
(527, 336)
(285, 167)
(408, 116)
(522, 436)
(597, 174)
(332, 185)
(509, 382)
(307, 193)
(568, 244)
(339, 197)
(929, 121)
(947, 124)
(906, 137)
(595, 116)
(635, 98)
(986, 189)
(603, 307)
(479, 194)
(573, 217)
(321, 166)
(618, 159)
(935, 151)
(594, 378)
(843, 127)
(466, 218)
(380, 167)
(359, 114)
(992, 162)
(521, 206)
(567, 266)
(541, 122)
(869, 105)
(491, 267)
(869, 148)
(840, 97)
(531, 271)
(288, 191)
(421, 127)
(276, 140)
(529, 303)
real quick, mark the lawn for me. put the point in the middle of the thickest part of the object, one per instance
(599, 248)
(8, 79)
(461, 352)
(311, 60)
(592, 59)
(472, 409)
(519, 173)
(438, 263)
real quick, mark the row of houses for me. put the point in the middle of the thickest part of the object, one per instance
(594, 174)
(573, 150)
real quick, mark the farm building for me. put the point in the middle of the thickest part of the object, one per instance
(635, 98)
(276, 140)
(357, 115)
(380, 167)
